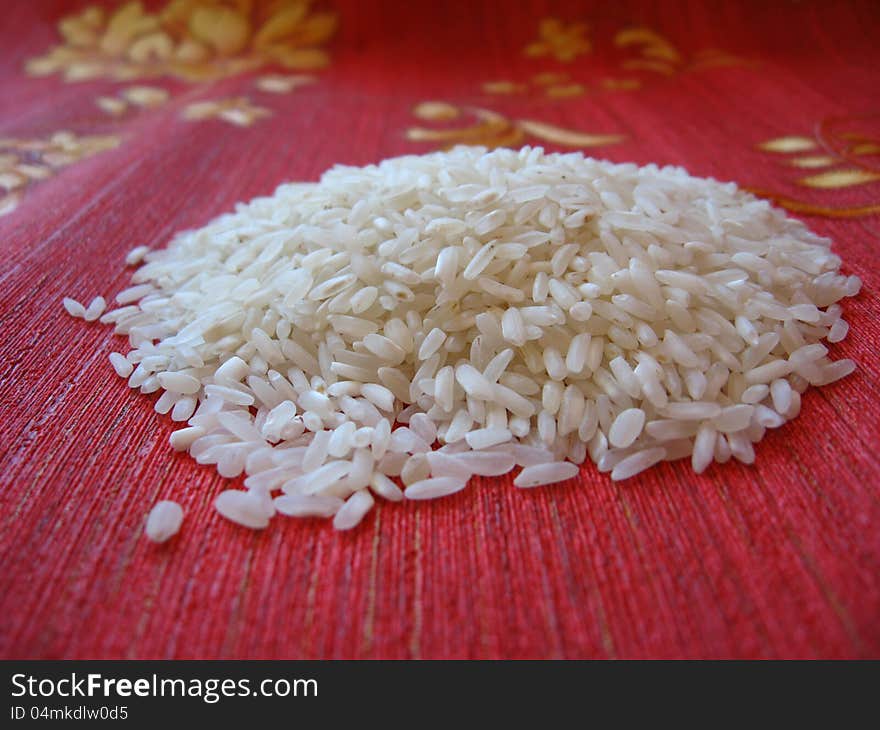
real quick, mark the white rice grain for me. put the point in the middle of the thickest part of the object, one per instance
(243, 508)
(704, 448)
(483, 438)
(435, 487)
(383, 487)
(95, 309)
(547, 473)
(122, 366)
(74, 308)
(626, 427)
(502, 307)
(637, 463)
(354, 510)
(164, 521)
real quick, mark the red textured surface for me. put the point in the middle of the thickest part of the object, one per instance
(778, 560)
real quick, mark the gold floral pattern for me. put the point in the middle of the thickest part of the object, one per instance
(491, 129)
(562, 42)
(846, 157)
(639, 50)
(839, 154)
(24, 162)
(505, 87)
(238, 110)
(193, 40)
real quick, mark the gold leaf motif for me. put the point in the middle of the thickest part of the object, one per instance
(495, 130)
(621, 84)
(315, 30)
(82, 71)
(175, 15)
(125, 25)
(492, 129)
(548, 79)
(504, 87)
(222, 29)
(639, 35)
(788, 144)
(513, 136)
(45, 66)
(840, 178)
(153, 47)
(567, 137)
(80, 30)
(436, 111)
(812, 161)
(277, 84)
(194, 40)
(145, 96)
(662, 53)
(840, 149)
(281, 24)
(659, 55)
(111, 105)
(235, 110)
(553, 86)
(191, 52)
(866, 148)
(653, 44)
(200, 110)
(299, 58)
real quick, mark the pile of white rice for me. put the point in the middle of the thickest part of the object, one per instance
(395, 329)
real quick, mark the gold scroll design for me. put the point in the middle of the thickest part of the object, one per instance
(25, 162)
(655, 53)
(835, 157)
(192, 40)
(491, 129)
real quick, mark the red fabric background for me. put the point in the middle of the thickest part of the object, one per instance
(778, 560)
